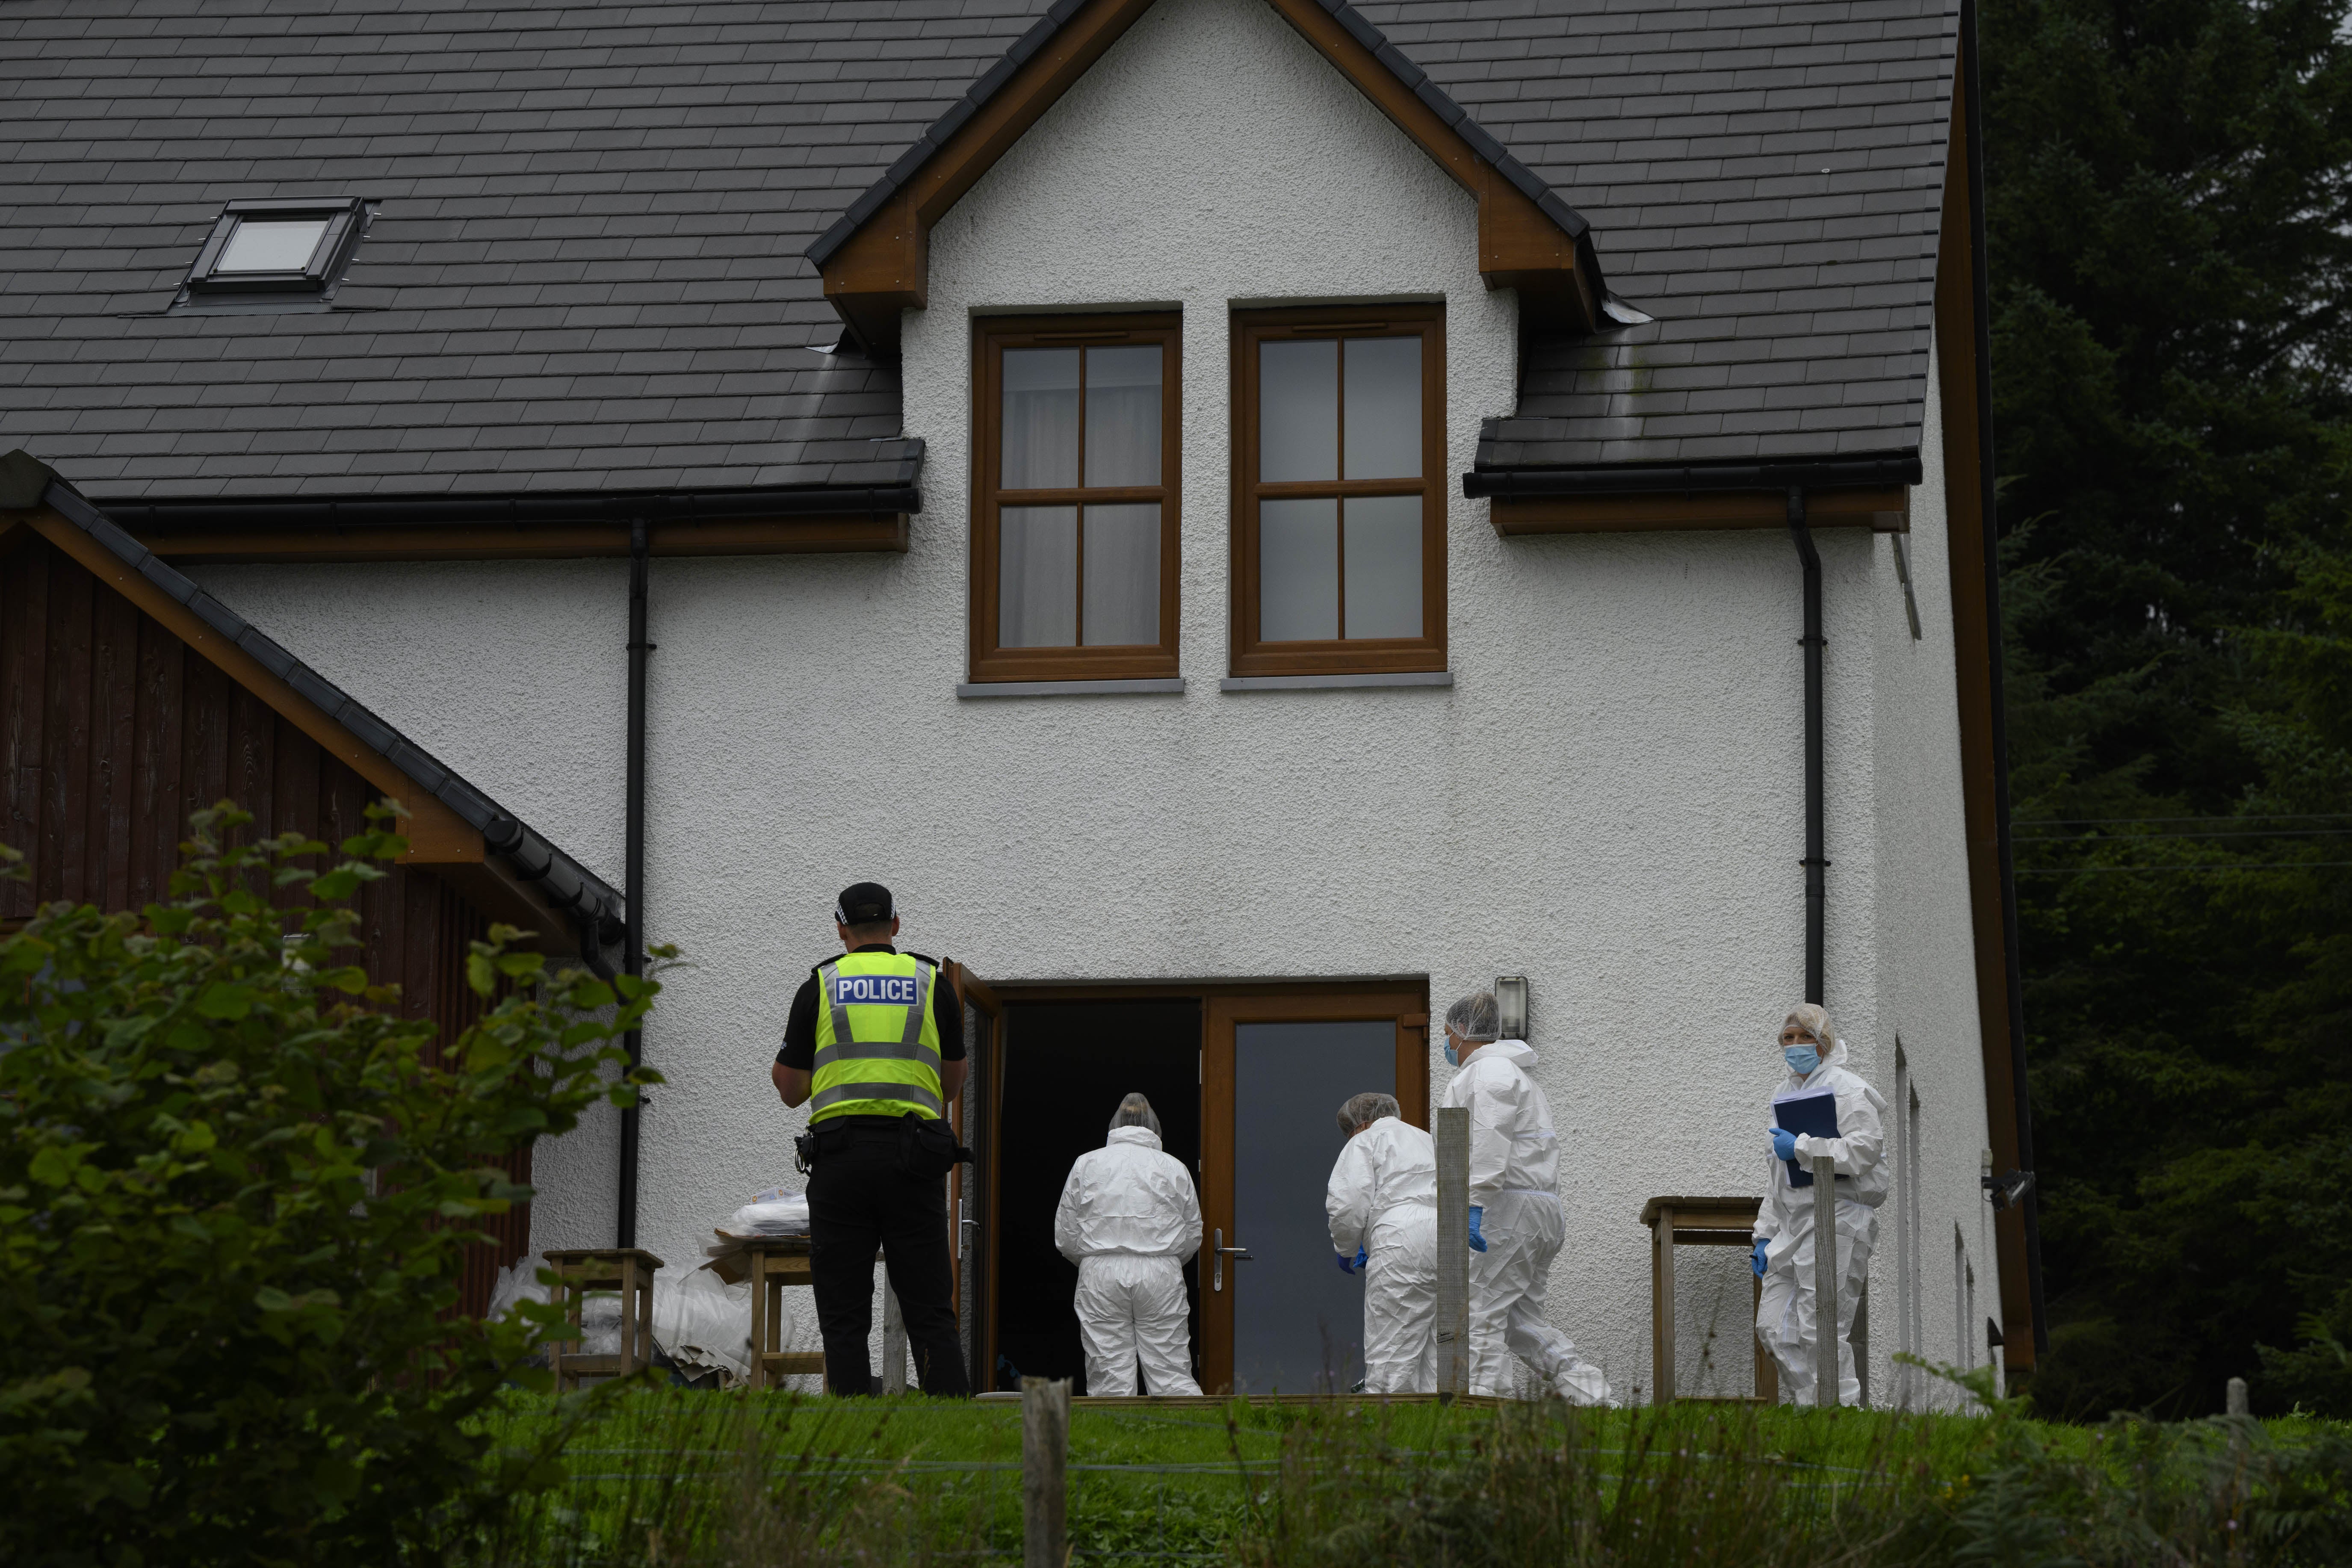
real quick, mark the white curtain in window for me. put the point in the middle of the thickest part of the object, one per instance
(1299, 570)
(1384, 566)
(1123, 416)
(1298, 410)
(1383, 409)
(1041, 420)
(1122, 570)
(1037, 576)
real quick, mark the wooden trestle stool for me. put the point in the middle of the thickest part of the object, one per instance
(777, 1262)
(630, 1271)
(1700, 1221)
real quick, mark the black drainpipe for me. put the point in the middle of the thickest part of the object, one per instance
(633, 952)
(1817, 859)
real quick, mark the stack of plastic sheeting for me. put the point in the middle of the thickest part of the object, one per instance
(600, 1313)
(776, 1213)
(704, 1324)
(700, 1323)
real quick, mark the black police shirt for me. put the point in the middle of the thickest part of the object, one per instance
(800, 1027)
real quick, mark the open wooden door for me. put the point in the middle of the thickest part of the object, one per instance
(971, 1235)
(1276, 1315)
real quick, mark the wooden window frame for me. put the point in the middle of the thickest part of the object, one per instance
(991, 335)
(1341, 657)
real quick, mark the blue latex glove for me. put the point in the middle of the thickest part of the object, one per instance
(1756, 1257)
(1477, 1242)
(1784, 1143)
(1352, 1265)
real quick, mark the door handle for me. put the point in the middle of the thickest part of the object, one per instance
(1218, 1253)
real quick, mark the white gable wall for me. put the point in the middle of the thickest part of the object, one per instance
(1609, 800)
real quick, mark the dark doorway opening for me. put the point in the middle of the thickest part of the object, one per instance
(1066, 1065)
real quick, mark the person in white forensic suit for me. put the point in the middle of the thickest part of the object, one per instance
(1129, 1218)
(1785, 1228)
(1382, 1206)
(1516, 1224)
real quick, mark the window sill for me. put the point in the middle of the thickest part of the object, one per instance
(1164, 686)
(1328, 682)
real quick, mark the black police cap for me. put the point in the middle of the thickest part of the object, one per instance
(864, 903)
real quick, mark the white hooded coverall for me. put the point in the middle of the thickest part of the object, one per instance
(1383, 1200)
(1784, 1316)
(1515, 1179)
(1129, 1218)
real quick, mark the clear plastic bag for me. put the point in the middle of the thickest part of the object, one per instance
(703, 1323)
(517, 1283)
(773, 1212)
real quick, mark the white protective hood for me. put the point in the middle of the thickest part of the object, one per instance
(1130, 1197)
(1512, 1147)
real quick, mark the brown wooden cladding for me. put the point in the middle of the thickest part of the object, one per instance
(112, 731)
(1973, 652)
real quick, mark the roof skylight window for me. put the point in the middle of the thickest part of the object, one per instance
(272, 246)
(278, 247)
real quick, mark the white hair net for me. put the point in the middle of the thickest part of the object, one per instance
(1135, 1111)
(1814, 1019)
(1476, 1018)
(1363, 1110)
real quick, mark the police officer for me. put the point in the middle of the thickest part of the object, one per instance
(874, 1042)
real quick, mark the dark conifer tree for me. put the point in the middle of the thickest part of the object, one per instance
(2170, 186)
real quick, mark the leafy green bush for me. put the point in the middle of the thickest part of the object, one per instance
(235, 1190)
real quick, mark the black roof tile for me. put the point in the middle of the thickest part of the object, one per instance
(589, 253)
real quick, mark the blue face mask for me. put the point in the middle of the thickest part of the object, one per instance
(1801, 1059)
(1452, 1059)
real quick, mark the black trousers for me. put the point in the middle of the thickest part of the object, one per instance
(859, 1200)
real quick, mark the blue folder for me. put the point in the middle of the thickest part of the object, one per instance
(1811, 1112)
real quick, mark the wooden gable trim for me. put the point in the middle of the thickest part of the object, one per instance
(1973, 652)
(437, 835)
(1884, 509)
(816, 535)
(885, 264)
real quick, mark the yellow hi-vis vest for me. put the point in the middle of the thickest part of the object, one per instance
(877, 1045)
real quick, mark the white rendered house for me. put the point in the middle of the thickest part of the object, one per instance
(1255, 518)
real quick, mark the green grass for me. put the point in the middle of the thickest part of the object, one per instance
(662, 1475)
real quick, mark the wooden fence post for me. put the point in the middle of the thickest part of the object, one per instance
(894, 1344)
(1452, 1133)
(1825, 1275)
(1044, 1485)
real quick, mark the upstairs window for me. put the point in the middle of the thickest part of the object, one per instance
(1074, 527)
(1339, 514)
(278, 247)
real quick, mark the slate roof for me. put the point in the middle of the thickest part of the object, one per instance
(597, 910)
(1040, 33)
(587, 272)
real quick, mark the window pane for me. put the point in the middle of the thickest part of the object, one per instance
(1298, 410)
(1383, 379)
(1384, 566)
(1122, 574)
(275, 245)
(1123, 418)
(1041, 420)
(1299, 570)
(1037, 576)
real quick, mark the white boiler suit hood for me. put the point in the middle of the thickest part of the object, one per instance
(1514, 1178)
(1785, 1322)
(1383, 1199)
(1129, 1218)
